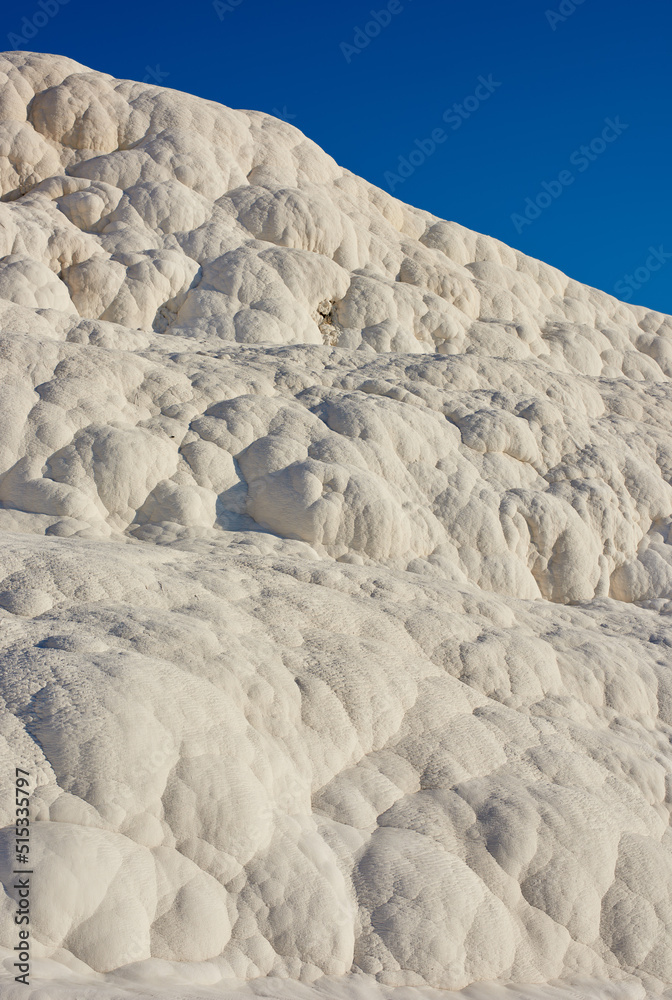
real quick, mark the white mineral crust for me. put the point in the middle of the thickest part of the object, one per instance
(335, 575)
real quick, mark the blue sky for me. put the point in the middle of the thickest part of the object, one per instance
(508, 93)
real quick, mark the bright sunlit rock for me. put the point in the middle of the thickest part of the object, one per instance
(335, 573)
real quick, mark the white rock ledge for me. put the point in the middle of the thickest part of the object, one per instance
(335, 576)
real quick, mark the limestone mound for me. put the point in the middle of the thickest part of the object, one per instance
(335, 572)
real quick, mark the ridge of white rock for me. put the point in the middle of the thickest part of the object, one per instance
(335, 573)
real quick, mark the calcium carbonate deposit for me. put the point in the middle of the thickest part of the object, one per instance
(335, 576)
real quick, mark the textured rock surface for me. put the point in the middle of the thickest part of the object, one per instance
(335, 569)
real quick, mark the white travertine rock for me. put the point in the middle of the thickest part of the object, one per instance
(335, 574)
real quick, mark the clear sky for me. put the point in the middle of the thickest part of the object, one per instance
(515, 88)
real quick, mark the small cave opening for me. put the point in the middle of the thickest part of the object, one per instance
(326, 322)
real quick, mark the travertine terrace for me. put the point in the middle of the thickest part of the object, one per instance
(335, 571)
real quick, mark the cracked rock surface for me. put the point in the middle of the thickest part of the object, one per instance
(335, 572)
